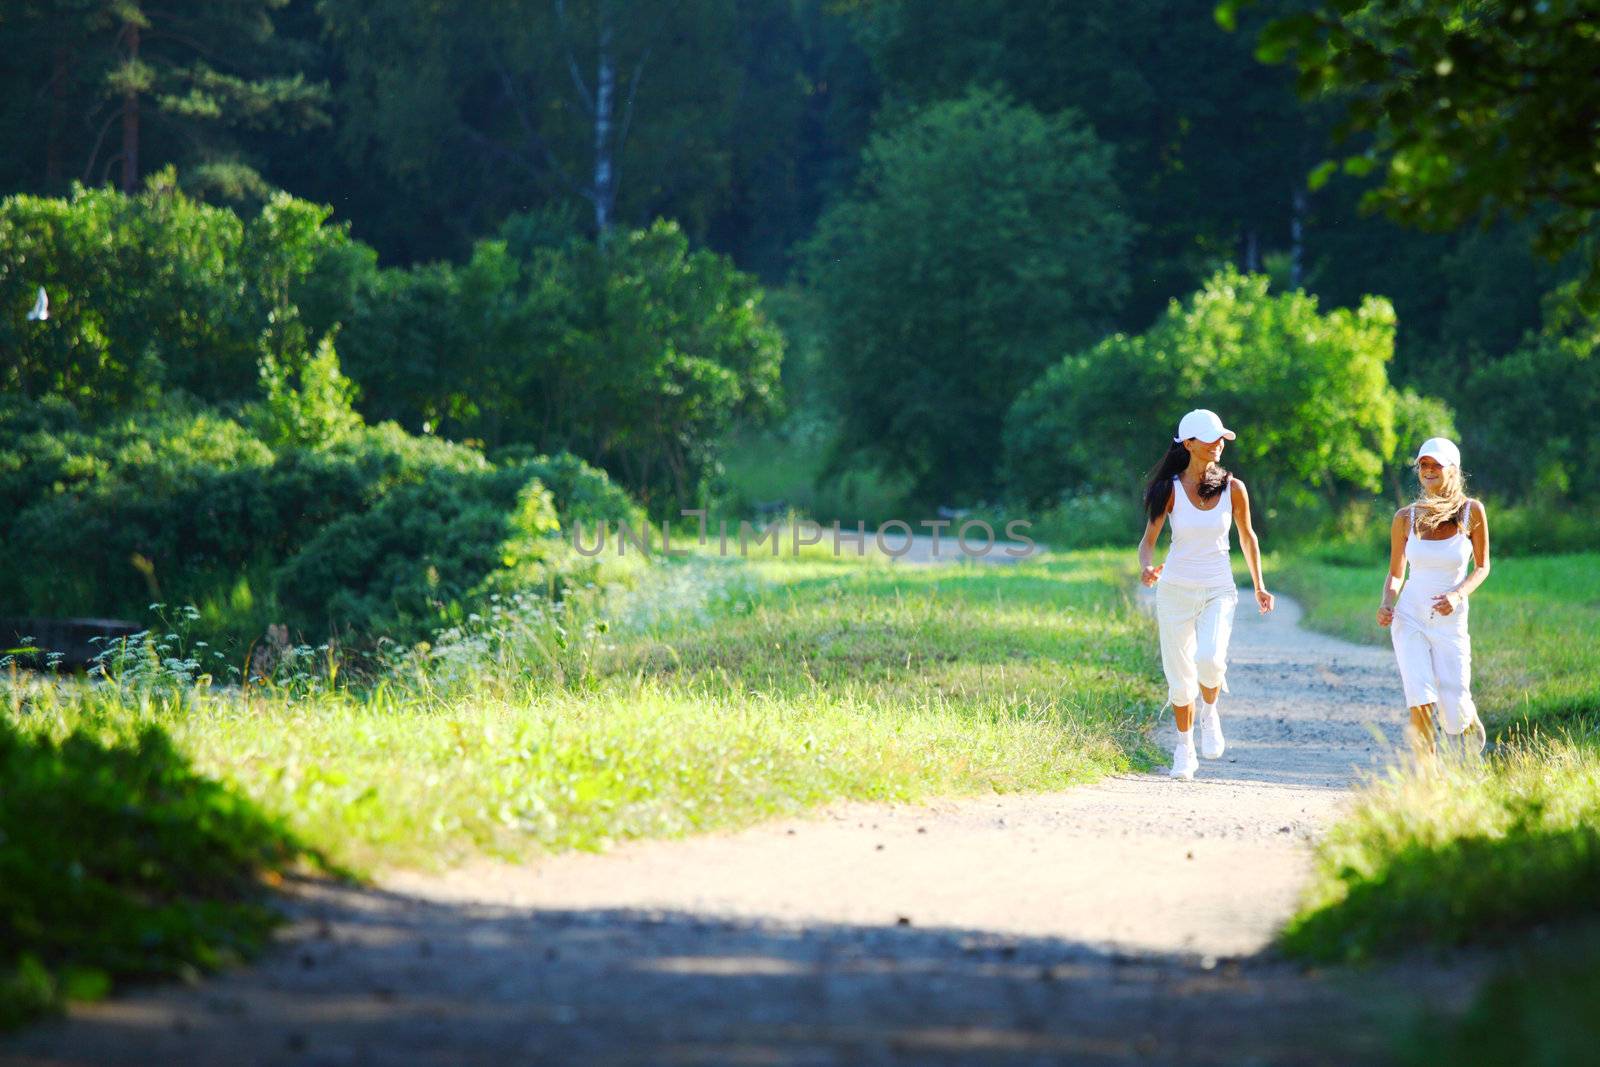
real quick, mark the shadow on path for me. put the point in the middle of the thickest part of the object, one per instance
(369, 977)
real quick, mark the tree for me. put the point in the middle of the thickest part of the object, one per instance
(1307, 393)
(984, 240)
(133, 87)
(1533, 434)
(1468, 110)
(1210, 146)
(160, 292)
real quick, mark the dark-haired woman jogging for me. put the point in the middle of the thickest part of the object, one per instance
(1436, 537)
(1195, 594)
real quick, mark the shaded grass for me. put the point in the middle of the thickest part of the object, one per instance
(118, 860)
(1537, 1011)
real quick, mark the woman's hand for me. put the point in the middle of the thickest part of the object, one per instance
(1151, 574)
(1385, 614)
(1265, 601)
(1446, 603)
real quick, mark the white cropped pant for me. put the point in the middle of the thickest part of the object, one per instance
(1195, 623)
(1435, 656)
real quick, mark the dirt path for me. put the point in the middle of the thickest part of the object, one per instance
(1116, 923)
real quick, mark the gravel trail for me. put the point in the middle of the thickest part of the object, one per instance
(1123, 922)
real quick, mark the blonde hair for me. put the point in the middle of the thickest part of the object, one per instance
(1432, 510)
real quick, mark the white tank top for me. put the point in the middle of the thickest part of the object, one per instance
(1198, 554)
(1435, 567)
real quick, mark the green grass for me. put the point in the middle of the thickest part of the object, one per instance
(1471, 855)
(812, 680)
(714, 694)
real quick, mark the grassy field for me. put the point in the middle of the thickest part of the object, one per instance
(714, 694)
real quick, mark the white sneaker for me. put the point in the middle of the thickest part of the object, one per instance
(1212, 744)
(1184, 763)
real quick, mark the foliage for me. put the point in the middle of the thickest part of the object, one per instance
(1307, 393)
(983, 240)
(731, 119)
(309, 404)
(636, 353)
(184, 82)
(1088, 520)
(1208, 144)
(186, 505)
(122, 861)
(157, 292)
(581, 493)
(422, 551)
(1468, 109)
(1525, 430)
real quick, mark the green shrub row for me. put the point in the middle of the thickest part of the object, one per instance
(375, 532)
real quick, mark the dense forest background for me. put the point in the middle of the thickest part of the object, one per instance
(851, 257)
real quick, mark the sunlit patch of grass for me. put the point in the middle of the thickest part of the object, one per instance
(714, 694)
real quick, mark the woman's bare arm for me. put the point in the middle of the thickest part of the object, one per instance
(1396, 577)
(1147, 546)
(1249, 544)
(1445, 603)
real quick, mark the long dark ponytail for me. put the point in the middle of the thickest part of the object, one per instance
(1158, 490)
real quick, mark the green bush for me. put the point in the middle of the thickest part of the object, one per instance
(636, 353)
(407, 565)
(582, 494)
(1089, 520)
(157, 292)
(118, 860)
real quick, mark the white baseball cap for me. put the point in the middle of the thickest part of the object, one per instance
(1442, 449)
(1203, 424)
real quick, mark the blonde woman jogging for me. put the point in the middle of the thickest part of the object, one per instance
(1434, 539)
(1195, 594)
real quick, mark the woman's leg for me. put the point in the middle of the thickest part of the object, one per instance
(1421, 734)
(1414, 655)
(1212, 632)
(1177, 608)
(1452, 667)
(1452, 671)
